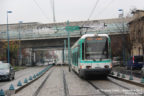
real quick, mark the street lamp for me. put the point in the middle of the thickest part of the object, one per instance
(20, 55)
(124, 49)
(121, 15)
(8, 50)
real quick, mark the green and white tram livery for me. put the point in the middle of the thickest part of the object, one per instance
(91, 55)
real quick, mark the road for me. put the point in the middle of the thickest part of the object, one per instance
(20, 75)
(59, 82)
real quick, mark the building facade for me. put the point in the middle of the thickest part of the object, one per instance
(136, 29)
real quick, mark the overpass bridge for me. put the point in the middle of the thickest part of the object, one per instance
(34, 35)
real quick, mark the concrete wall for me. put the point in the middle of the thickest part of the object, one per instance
(43, 43)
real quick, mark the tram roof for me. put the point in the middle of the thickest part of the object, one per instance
(89, 35)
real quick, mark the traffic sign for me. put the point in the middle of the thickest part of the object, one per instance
(72, 28)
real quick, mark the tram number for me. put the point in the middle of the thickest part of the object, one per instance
(99, 39)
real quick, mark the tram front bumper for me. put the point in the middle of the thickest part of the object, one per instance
(101, 71)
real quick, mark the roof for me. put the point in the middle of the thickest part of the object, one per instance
(137, 19)
(135, 11)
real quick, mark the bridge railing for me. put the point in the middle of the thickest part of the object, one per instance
(14, 35)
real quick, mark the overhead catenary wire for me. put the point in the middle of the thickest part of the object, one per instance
(105, 8)
(100, 12)
(53, 10)
(93, 9)
(95, 5)
(41, 10)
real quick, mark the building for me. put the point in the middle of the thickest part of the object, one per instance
(136, 29)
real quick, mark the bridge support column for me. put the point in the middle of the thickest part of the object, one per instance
(33, 58)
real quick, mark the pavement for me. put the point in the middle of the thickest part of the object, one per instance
(20, 75)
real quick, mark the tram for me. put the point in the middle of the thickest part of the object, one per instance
(91, 55)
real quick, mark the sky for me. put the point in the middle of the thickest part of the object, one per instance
(72, 10)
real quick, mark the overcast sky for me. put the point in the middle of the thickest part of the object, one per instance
(73, 10)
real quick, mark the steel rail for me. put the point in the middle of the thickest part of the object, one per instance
(42, 84)
(94, 86)
(97, 88)
(127, 81)
(66, 90)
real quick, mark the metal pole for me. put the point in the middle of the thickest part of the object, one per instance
(8, 53)
(122, 16)
(69, 49)
(53, 11)
(123, 40)
(20, 56)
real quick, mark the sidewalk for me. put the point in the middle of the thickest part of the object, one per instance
(123, 70)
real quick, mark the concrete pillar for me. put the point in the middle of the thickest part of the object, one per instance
(63, 55)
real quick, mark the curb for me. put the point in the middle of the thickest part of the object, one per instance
(134, 82)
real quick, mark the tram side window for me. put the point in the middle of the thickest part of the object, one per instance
(106, 49)
(72, 58)
(78, 51)
(77, 58)
(83, 51)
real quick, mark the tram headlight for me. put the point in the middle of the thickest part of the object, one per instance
(110, 65)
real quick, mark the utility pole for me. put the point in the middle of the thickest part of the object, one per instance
(70, 29)
(8, 49)
(123, 39)
(69, 49)
(20, 53)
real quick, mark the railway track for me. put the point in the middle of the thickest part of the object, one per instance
(66, 91)
(123, 86)
(104, 93)
(115, 83)
(42, 84)
(94, 86)
(99, 87)
(109, 94)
